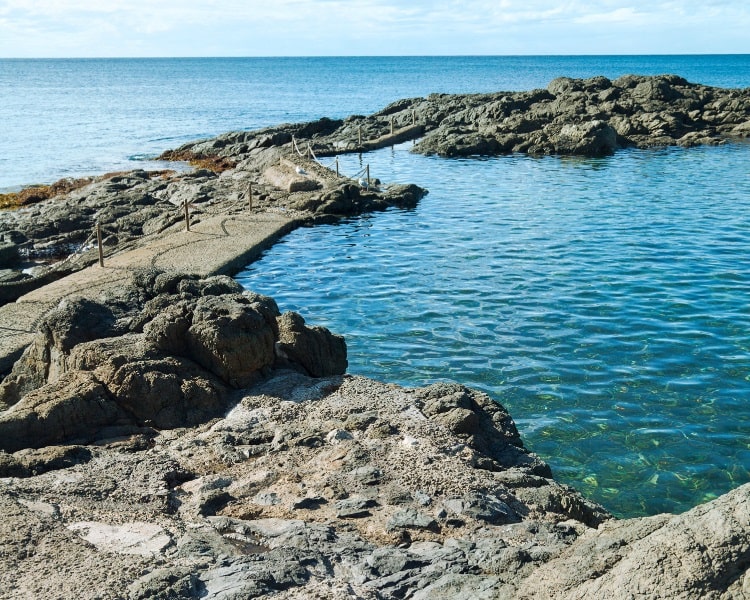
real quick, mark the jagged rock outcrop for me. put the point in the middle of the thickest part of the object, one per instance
(165, 353)
(591, 117)
(587, 117)
(183, 439)
(343, 487)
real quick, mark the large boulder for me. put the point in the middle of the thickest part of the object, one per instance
(316, 349)
(74, 321)
(231, 338)
(593, 138)
(152, 387)
(75, 406)
(230, 335)
(163, 354)
(703, 553)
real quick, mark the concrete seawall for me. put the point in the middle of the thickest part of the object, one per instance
(217, 245)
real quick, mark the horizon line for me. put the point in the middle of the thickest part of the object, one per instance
(294, 56)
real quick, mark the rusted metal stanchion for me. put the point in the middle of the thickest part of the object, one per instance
(99, 243)
(250, 194)
(187, 216)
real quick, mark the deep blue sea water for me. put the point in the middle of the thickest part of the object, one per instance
(75, 117)
(604, 302)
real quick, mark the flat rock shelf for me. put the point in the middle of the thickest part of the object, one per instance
(166, 434)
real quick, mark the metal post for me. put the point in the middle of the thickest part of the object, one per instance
(337, 167)
(99, 243)
(413, 117)
(368, 176)
(250, 194)
(187, 216)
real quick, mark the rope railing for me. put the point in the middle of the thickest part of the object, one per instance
(311, 152)
(295, 147)
(101, 234)
(362, 177)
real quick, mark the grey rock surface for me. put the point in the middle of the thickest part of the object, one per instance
(243, 506)
(176, 437)
(588, 117)
(166, 352)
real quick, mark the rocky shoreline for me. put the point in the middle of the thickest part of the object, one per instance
(573, 117)
(165, 434)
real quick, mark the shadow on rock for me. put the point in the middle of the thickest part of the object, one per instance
(165, 353)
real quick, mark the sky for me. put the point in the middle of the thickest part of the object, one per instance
(141, 28)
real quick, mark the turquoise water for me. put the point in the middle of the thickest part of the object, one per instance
(76, 117)
(603, 301)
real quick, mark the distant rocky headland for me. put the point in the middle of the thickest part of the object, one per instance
(166, 434)
(579, 117)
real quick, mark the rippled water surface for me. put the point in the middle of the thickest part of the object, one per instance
(75, 117)
(604, 302)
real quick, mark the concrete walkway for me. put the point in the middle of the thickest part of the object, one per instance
(219, 244)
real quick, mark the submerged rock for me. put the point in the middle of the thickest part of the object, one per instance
(181, 438)
(201, 471)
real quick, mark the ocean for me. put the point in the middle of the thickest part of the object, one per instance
(77, 117)
(602, 301)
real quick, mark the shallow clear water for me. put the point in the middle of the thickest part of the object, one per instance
(604, 302)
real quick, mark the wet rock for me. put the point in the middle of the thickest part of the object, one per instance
(8, 254)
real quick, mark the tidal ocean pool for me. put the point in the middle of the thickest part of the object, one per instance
(605, 302)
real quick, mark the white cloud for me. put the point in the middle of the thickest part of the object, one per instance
(619, 15)
(277, 27)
